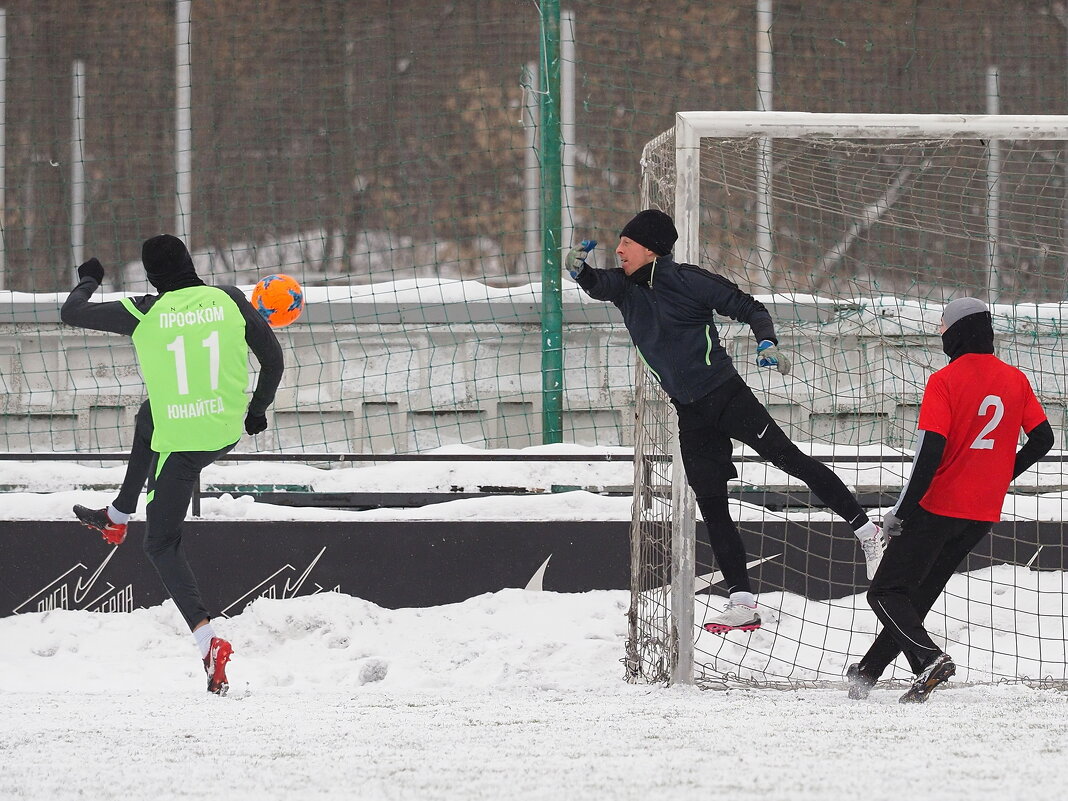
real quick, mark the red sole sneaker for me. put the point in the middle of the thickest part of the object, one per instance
(219, 654)
(719, 628)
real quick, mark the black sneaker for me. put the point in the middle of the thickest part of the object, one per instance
(860, 681)
(98, 520)
(938, 672)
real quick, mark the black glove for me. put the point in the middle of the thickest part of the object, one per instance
(92, 269)
(255, 423)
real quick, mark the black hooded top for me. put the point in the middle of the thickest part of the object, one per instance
(668, 309)
(170, 268)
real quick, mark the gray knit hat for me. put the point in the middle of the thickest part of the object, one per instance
(962, 307)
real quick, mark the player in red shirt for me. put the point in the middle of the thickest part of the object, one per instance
(966, 457)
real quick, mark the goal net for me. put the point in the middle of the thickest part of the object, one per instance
(855, 230)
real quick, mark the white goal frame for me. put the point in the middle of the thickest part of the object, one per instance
(691, 127)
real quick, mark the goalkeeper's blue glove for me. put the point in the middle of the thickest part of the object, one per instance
(575, 261)
(768, 356)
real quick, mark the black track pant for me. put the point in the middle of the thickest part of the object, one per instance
(170, 488)
(706, 428)
(139, 464)
(915, 568)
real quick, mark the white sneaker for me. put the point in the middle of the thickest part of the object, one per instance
(734, 617)
(873, 548)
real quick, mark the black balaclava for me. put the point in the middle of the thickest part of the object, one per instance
(969, 328)
(168, 263)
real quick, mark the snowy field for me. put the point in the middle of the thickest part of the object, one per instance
(514, 694)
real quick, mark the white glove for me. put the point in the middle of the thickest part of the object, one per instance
(575, 261)
(891, 524)
(768, 356)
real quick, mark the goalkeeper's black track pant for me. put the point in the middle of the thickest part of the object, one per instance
(171, 481)
(916, 567)
(706, 430)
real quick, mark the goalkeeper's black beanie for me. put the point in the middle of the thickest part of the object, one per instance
(969, 328)
(168, 263)
(653, 229)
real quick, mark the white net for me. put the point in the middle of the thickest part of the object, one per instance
(869, 238)
(652, 642)
(855, 218)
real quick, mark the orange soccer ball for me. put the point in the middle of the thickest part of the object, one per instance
(279, 298)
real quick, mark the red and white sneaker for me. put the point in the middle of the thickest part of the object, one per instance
(219, 653)
(98, 520)
(734, 617)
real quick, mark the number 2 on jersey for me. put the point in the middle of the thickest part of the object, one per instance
(994, 402)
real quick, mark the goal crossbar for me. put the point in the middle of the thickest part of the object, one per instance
(690, 126)
(693, 126)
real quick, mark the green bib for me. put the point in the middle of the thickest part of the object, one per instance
(194, 359)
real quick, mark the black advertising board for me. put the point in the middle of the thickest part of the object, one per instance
(48, 565)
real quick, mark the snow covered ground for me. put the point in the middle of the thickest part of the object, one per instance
(513, 694)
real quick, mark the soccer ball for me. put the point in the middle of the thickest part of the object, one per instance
(279, 298)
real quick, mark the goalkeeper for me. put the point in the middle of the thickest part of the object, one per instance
(668, 310)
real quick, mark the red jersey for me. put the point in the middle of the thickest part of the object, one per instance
(979, 404)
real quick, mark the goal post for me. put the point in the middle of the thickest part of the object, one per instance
(874, 222)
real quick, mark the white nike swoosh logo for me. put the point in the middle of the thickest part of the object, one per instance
(81, 588)
(762, 433)
(537, 581)
(708, 579)
(290, 588)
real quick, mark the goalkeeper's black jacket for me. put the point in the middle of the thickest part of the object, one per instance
(668, 308)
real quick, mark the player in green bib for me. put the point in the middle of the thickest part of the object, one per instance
(192, 343)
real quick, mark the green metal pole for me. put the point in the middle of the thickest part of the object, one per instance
(552, 317)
